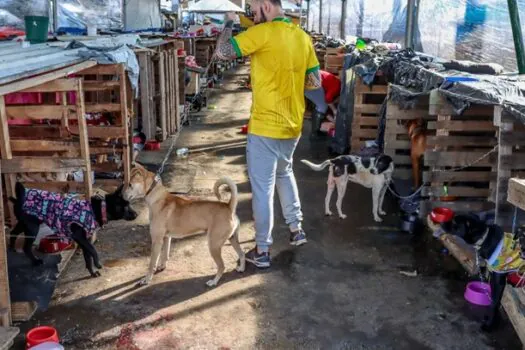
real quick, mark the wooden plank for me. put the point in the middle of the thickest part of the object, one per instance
(395, 113)
(462, 141)
(97, 85)
(102, 132)
(512, 161)
(394, 128)
(6, 153)
(163, 96)
(462, 125)
(125, 87)
(458, 176)
(102, 107)
(37, 132)
(368, 121)
(504, 173)
(516, 192)
(106, 167)
(464, 253)
(101, 69)
(402, 160)
(45, 146)
(37, 112)
(5, 299)
(176, 95)
(41, 165)
(57, 186)
(44, 78)
(23, 311)
(59, 85)
(84, 142)
(512, 138)
(397, 144)
(7, 336)
(455, 191)
(364, 133)
(457, 159)
(515, 310)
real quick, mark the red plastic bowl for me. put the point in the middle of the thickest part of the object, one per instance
(515, 280)
(441, 215)
(41, 335)
(152, 146)
(53, 245)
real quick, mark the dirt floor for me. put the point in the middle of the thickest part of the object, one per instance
(343, 290)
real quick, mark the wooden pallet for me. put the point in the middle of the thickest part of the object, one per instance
(458, 141)
(397, 142)
(108, 91)
(7, 337)
(367, 106)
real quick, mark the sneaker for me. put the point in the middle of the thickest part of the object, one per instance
(298, 238)
(261, 261)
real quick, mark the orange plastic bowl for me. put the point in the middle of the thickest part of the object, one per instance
(441, 215)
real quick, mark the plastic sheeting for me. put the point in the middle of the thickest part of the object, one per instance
(12, 12)
(105, 14)
(477, 30)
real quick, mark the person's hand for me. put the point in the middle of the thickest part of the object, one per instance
(230, 16)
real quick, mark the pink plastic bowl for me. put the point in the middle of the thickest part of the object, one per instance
(478, 293)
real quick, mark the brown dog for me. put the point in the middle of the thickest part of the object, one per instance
(173, 216)
(418, 145)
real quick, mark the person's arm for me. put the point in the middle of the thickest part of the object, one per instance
(225, 49)
(244, 44)
(313, 88)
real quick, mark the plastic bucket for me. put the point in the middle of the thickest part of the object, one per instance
(36, 29)
(41, 335)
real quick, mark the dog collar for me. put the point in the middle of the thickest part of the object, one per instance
(153, 185)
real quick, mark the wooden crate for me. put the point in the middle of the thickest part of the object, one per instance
(397, 142)
(30, 152)
(367, 106)
(460, 157)
(108, 91)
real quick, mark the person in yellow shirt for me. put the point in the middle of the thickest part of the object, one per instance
(283, 65)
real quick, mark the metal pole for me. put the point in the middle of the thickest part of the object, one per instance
(517, 34)
(343, 19)
(307, 14)
(55, 15)
(320, 16)
(329, 18)
(409, 32)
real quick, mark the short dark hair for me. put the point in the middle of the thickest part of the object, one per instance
(274, 2)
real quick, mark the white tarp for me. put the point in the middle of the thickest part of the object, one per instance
(214, 6)
(142, 14)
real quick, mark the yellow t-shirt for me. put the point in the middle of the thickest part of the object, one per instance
(281, 56)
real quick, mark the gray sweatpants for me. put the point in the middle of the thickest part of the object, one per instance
(269, 166)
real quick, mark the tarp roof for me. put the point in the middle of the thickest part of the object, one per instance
(214, 6)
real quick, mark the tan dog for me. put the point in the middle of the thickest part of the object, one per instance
(418, 145)
(173, 216)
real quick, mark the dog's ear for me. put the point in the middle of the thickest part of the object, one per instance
(137, 165)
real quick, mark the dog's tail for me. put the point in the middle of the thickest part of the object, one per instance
(317, 167)
(233, 189)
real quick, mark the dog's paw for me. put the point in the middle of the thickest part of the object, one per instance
(95, 274)
(241, 267)
(382, 212)
(342, 216)
(211, 283)
(378, 219)
(160, 269)
(143, 282)
(328, 213)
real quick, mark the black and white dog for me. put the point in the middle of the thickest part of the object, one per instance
(370, 172)
(70, 218)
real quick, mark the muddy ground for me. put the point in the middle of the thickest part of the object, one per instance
(341, 291)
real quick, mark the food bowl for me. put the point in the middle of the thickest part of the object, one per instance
(441, 215)
(516, 280)
(152, 145)
(478, 293)
(41, 335)
(53, 245)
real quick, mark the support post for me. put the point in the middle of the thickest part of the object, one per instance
(517, 34)
(409, 32)
(320, 16)
(343, 19)
(307, 14)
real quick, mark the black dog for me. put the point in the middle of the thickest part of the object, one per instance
(486, 239)
(115, 208)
